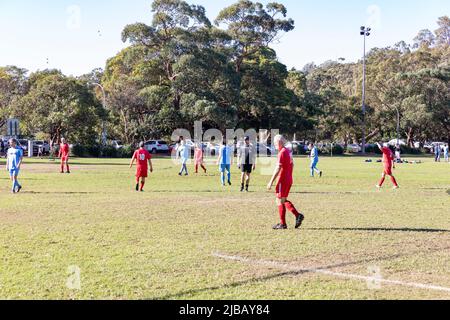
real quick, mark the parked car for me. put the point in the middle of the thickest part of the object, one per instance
(211, 148)
(299, 147)
(23, 143)
(43, 144)
(430, 147)
(354, 148)
(394, 143)
(156, 146)
(117, 144)
(263, 149)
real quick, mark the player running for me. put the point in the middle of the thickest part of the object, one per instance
(246, 162)
(64, 151)
(388, 161)
(225, 161)
(143, 159)
(13, 163)
(284, 173)
(198, 158)
(314, 160)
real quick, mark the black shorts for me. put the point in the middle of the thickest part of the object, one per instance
(247, 168)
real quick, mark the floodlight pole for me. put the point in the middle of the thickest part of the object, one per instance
(398, 125)
(364, 32)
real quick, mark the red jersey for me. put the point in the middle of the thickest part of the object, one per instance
(142, 157)
(64, 150)
(388, 156)
(286, 161)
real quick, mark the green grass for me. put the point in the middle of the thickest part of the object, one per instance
(160, 244)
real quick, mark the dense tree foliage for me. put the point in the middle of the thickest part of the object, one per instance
(181, 68)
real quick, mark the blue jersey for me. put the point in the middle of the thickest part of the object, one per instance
(225, 153)
(315, 154)
(13, 158)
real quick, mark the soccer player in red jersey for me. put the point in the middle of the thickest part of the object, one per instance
(64, 151)
(284, 173)
(388, 162)
(143, 159)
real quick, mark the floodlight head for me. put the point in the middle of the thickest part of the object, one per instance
(368, 34)
(363, 28)
(369, 29)
(361, 33)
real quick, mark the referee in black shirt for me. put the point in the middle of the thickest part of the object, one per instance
(247, 162)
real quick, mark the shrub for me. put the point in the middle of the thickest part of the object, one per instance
(79, 151)
(97, 151)
(126, 152)
(338, 150)
(109, 152)
(409, 150)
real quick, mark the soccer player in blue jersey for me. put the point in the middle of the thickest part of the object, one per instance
(314, 160)
(184, 153)
(13, 163)
(225, 162)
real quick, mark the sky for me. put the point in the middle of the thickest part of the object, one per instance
(77, 36)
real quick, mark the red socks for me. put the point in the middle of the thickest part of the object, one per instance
(142, 185)
(381, 182)
(292, 209)
(282, 211)
(394, 181)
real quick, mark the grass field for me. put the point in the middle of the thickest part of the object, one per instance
(171, 242)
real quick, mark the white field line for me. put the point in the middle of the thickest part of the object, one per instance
(290, 268)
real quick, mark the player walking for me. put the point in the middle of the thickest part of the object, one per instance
(314, 160)
(64, 151)
(13, 163)
(184, 153)
(388, 161)
(143, 159)
(198, 157)
(284, 173)
(225, 161)
(437, 153)
(246, 162)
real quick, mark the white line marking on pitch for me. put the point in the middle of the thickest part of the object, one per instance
(329, 273)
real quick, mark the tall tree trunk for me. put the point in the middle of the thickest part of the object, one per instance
(410, 137)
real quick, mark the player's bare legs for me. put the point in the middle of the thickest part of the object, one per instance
(245, 181)
(142, 184)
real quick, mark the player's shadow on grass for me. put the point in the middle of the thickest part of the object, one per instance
(326, 192)
(419, 230)
(233, 285)
(195, 191)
